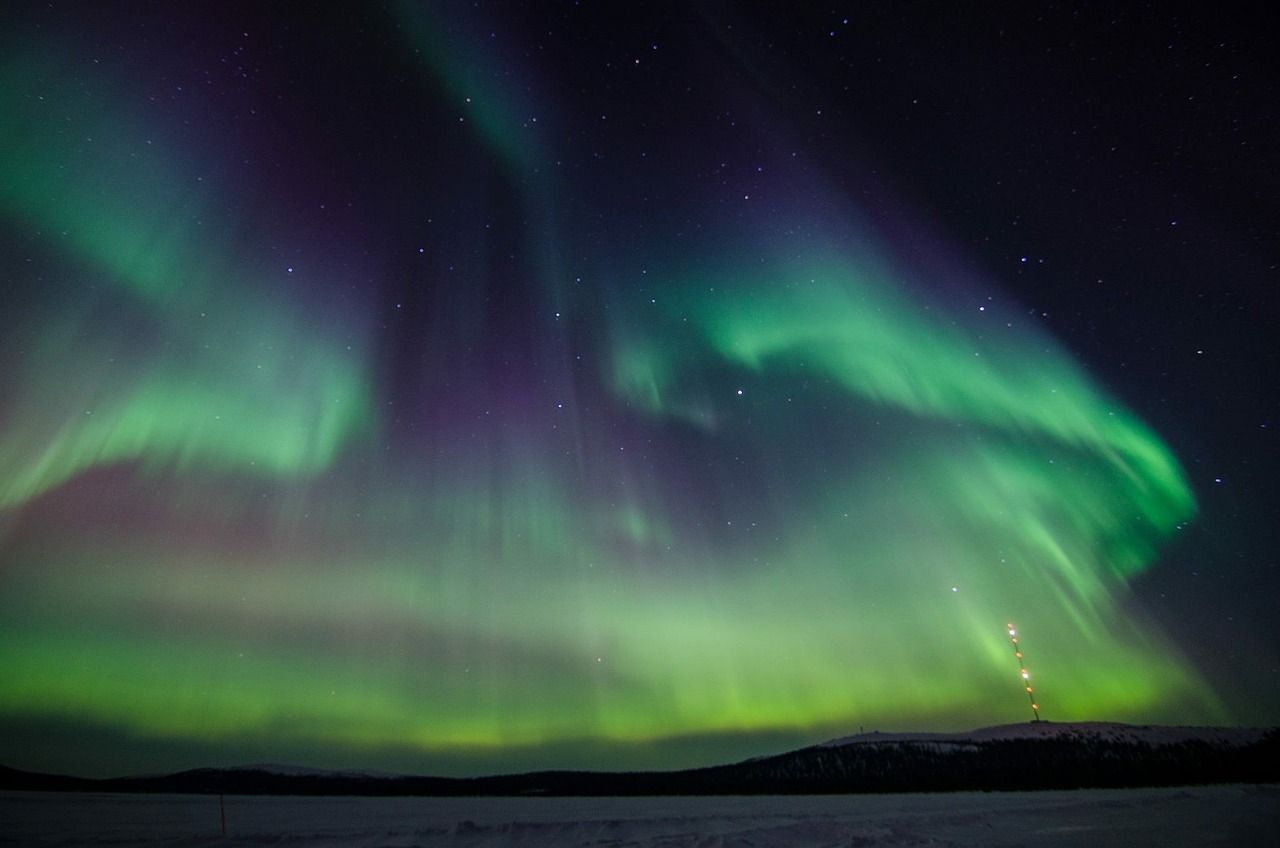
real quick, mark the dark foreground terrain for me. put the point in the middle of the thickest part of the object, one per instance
(1168, 817)
(1035, 756)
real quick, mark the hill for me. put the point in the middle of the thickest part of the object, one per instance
(1037, 755)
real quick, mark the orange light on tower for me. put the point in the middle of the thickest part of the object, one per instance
(1026, 675)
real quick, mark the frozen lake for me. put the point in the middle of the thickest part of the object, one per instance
(1214, 815)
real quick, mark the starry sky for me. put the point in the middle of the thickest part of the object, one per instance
(459, 388)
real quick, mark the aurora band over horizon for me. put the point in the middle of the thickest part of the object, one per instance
(787, 490)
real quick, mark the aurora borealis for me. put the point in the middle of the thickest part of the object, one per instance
(456, 390)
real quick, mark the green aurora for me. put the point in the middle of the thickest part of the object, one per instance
(776, 497)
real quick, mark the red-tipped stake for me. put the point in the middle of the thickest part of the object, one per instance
(1026, 676)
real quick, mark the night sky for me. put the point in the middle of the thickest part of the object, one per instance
(460, 388)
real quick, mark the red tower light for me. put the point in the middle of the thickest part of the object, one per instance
(1026, 675)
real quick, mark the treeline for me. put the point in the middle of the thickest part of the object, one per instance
(1062, 762)
(1008, 764)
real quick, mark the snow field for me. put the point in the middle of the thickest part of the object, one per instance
(1183, 816)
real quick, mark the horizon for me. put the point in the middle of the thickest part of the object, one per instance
(876, 736)
(469, 389)
(977, 734)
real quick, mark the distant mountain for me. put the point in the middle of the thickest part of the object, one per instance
(1036, 755)
(305, 771)
(11, 778)
(1083, 730)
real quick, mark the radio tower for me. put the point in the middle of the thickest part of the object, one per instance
(1026, 676)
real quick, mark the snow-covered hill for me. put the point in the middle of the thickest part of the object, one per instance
(1033, 755)
(1083, 731)
(1038, 755)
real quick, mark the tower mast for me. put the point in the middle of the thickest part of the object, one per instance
(1026, 676)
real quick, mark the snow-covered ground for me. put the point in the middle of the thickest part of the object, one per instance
(1213, 815)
